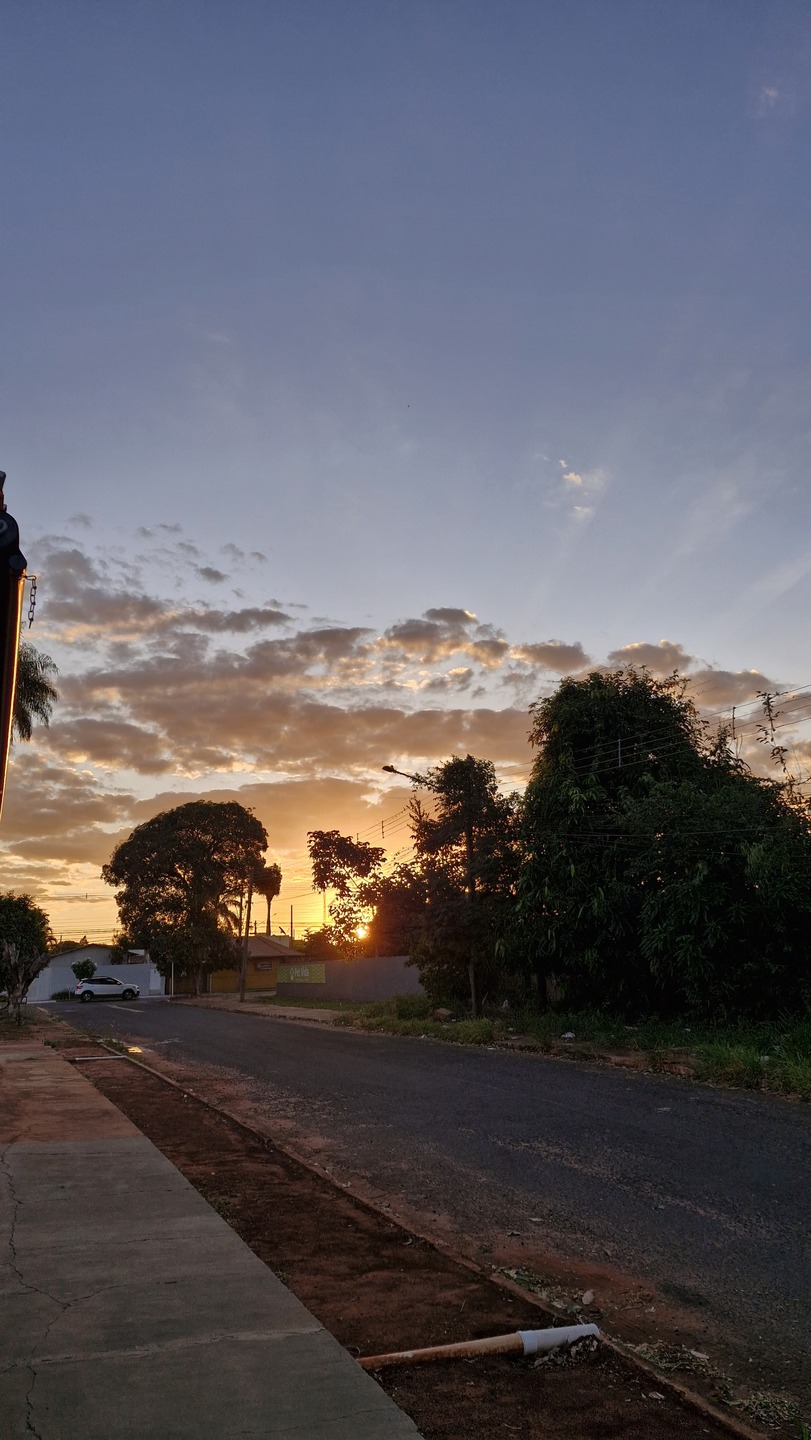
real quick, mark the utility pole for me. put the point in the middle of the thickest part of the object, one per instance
(470, 878)
(244, 967)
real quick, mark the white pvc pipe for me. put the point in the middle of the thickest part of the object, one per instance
(536, 1341)
(525, 1342)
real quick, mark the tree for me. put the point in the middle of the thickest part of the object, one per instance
(342, 864)
(468, 854)
(338, 861)
(36, 693)
(25, 933)
(659, 873)
(178, 876)
(84, 969)
(268, 884)
(397, 903)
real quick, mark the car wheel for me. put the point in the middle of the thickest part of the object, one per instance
(86, 995)
(127, 994)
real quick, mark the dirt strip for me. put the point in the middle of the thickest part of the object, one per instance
(378, 1287)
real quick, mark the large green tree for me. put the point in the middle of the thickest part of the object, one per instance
(466, 846)
(36, 694)
(25, 934)
(178, 876)
(659, 872)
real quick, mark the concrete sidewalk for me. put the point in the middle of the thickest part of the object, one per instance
(318, 1015)
(131, 1311)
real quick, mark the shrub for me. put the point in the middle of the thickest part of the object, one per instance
(412, 1007)
(84, 969)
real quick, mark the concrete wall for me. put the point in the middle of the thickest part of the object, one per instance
(59, 976)
(368, 978)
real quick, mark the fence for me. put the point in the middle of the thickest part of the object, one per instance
(56, 977)
(378, 977)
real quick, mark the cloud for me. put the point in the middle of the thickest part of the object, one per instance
(443, 632)
(239, 622)
(56, 811)
(579, 492)
(111, 743)
(459, 678)
(661, 659)
(721, 689)
(447, 615)
(84, 598)
(295, 715)
(553, 655)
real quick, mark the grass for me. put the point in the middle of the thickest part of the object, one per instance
(773, 1056)
(10, 1026)
(288, 1003)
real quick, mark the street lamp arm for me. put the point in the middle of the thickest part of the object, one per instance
(416, 779)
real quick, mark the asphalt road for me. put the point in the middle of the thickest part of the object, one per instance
(705, 1193)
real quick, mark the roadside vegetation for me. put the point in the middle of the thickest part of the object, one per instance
(773, 1056)
(649, 894)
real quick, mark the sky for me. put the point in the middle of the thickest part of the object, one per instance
(368, 367)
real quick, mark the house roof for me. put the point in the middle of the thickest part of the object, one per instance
(264, 947)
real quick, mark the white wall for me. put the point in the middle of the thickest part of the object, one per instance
(59, 976)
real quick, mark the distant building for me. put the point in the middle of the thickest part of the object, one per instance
(265, 954)
(101, 956)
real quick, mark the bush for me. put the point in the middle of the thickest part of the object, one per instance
(63, 995)
(84, 969)
(412, 1007)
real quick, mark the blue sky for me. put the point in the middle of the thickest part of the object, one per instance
(498, 308)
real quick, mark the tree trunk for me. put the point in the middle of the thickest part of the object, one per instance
(475, 997)
(539, 966)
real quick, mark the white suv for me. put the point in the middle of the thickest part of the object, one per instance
(105, 987)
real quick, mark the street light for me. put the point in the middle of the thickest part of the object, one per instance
(470, 871)
(417, 779)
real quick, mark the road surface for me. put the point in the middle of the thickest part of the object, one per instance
(703, 1194)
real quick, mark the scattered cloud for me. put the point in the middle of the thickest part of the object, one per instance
(262, 702)
(553, 655)
(721, 689)
(579, 492)
(441, 633)
(661, 659)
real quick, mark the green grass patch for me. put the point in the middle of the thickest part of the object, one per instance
(288, 1003)
(461, 1032)
(774, 1055)
(9, 1026)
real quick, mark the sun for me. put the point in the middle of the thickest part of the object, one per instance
(361, 931)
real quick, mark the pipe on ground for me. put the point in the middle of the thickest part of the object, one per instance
(520, 1342)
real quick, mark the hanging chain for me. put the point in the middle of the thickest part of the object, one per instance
(32, 601)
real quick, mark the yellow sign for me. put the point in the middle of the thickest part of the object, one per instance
(312, 974)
